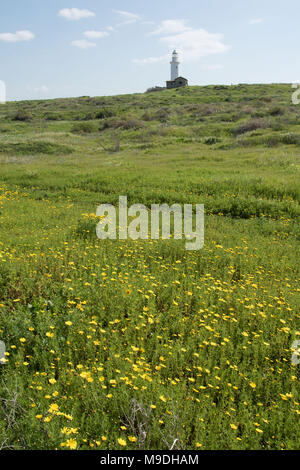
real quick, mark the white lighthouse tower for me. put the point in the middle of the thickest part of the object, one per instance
(176, 81)
(174, 66)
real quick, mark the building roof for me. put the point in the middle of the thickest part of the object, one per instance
(178, 78)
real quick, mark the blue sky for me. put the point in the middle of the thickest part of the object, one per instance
(62, 48)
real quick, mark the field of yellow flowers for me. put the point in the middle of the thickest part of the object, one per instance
(142, 344)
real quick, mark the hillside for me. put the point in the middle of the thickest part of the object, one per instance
(128, 345)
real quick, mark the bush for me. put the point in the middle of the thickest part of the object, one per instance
(104, 114)
(84, 128)
(271, 140)
(155, 88)
(211, 140)
(147, 116)
(5, 281)
(206, 111)
(53, 117)
(276, 111)
(125, 124)
(86, 229)
(161, 114)
(35, 148)
(89, 117)
(249, 126)
(290, 139)
(23, 116)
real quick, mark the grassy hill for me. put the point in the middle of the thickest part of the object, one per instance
(128, 345)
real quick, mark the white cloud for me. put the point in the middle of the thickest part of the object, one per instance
(151, 23)
(212, 66)
(41, 89)
(256, 21)
(171, 27)
(195, 43)
(74, 14)
(18, 36)
(127, 17)
(151, 60)
(95, 34)
(83, 44)
(190, 42)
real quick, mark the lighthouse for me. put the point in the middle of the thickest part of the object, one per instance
(174, 66)
(176, 81)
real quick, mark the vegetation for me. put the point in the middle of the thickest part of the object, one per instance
(143, 345)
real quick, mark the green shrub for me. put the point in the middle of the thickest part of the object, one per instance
(23, 116)
(211, 140)
(126, 124)
(276, 111)
(34, 148)
(249, 126)
(104, 114)
(84, 128)
(86, 229)
(271, 140)
(290, 139)
(162, 114)
(5, 280)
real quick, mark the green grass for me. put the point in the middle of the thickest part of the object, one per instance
(104, 335)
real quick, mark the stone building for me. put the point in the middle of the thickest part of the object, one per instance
(178, 82)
